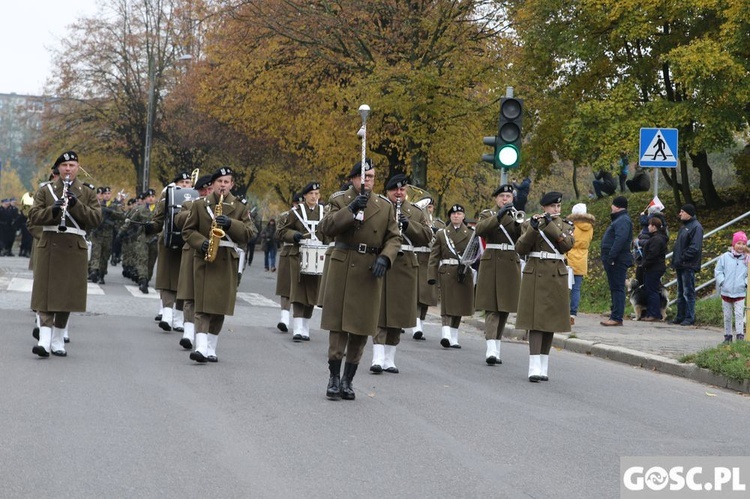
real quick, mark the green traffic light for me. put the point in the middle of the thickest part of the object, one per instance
(507, 155)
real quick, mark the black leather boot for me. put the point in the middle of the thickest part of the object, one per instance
(94, 276)
(347, 390)
(143, 286)
(334, 388)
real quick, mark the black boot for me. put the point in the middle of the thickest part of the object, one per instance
(333, 391)
(143, 286)
(347, 391)
(94, 276)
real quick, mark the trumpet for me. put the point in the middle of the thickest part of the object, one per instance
(66, 185)
(518, 215)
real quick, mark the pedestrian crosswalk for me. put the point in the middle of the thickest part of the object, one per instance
(25, 284)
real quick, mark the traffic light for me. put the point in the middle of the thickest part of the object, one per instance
(508, 144)
(491, 158)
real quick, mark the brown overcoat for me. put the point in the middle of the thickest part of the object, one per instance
(215, 283)
(168, 259)
(303, 287)
(544, 301)
(283, 267)
(456, 298)
(427, 294)
(185, 282)
(351, 300)
(499, 279)
(398, 304)
(61, 259)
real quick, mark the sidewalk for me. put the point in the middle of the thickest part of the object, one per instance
(649, 345)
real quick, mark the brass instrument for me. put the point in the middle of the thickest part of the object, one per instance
(194, 176)
(216, 233)
(518, 215)
(66, 185)
(417, 196)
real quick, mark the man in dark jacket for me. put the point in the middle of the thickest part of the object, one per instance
(616, 257)
(604, 183)
(686, 260)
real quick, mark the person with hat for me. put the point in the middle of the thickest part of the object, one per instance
(185, 299)
(366, 241)
(499, 278)
(65, 209)
(168, 258)
(300, 229)
(456, 291)
(731, 283)
(578, 256)
(284, 276)
(398, 302)
(215, 283)
(427, 296)
(102, 237)
(544, 301)
(617, 258)
(686, 260)
(144, 249)
(127, 236)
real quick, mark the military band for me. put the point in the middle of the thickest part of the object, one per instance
(284, 275)
(427, 295)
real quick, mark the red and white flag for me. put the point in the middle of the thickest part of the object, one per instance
(656, 203)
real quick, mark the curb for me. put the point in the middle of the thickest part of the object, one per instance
(629, 356)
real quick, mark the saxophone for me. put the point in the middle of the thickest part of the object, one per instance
(216, 233)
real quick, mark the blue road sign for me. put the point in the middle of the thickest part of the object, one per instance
(658, 147)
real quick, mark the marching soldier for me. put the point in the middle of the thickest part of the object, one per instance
(399, 297)
(366, 242)
(142, 249)
(65, 209)
(499, 276)
(456, 280)
(128, 235)
(215, 282)
(168, 268)
(299, 228)
(102, 236)
(544, 302)
(284, 275)
(185, 284)
(427, 295)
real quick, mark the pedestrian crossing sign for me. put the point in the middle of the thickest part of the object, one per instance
(658, 147)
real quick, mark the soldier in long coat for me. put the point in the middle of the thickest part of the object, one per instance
(499, 278)
(284, 274)
(399, 300)
(427, 295)
(185, 284)
(544, 301)
(366, 242)
(168, 260)
(298, 228)
(456, 292)
(61, 257)
(216, 282)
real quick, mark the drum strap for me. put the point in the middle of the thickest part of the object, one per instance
(310, 225)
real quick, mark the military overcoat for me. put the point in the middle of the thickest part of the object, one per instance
(61, 259)
(544, 301)
(456, 298)
(351, 300)
(283, 266)
(169, 259)
(427, 295)
(185, 281)
(398, 305)
(215, 283)
(303, 287)
(499, 279)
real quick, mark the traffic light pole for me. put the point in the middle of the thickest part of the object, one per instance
(504, 171)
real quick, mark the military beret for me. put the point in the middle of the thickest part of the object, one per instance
(142, 196)
(66, 156)
(100, 190)
(107, 189)
(456, 208)
(297, 198)
(357, 168)
(131, 201)
(397, 181)
(312, 186)
(221, 172)
(150, 192)
(503, 188)
(183, 175)
(203, 182)
(552, 197)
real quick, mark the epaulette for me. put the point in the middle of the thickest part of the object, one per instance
(488, 210)
(243, 201)
(44, 184)
(383, 197)
(337, 194)
(90, 186)
(284, 214)
(568, 222)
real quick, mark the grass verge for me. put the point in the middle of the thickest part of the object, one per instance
(731, 360)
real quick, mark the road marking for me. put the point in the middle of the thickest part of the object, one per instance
(257, 300)
(135, 291)
(24, 285)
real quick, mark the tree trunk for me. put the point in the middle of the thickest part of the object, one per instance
(575, 180)
(675, 188)
(419, 169)
(710, 196)
(685, 184)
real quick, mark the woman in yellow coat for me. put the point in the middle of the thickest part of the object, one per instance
(578, 256)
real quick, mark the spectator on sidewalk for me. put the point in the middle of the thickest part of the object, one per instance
(640, 182)
(645, 234)
(654, 265)
(578, 256)
(604, 182)
(269, 243)
(686, 260)
(616, 257)
(731, 282)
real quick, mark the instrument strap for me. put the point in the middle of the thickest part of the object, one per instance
(310, 225)
(67, 213)
(213, 217)
(544, 236)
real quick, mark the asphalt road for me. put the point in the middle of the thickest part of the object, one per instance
(127, 414)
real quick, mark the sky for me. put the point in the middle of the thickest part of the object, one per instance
(30, 28)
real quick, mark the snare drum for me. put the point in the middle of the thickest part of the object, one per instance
(311, 258)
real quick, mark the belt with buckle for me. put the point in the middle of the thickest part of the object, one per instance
(359, 248)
